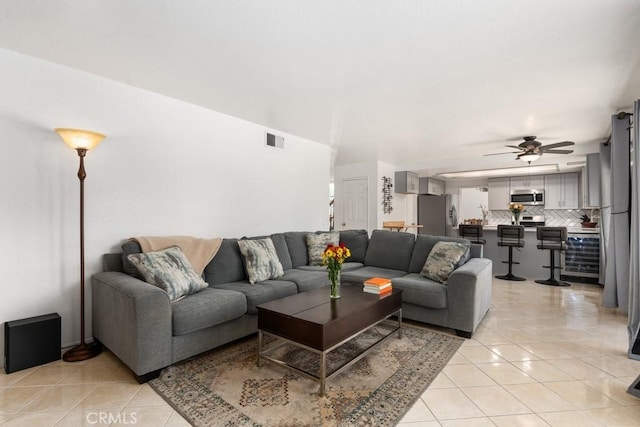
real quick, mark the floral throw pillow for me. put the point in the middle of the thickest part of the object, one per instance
(443, 259)
(169, 270)
(317, 243)
(260, 259)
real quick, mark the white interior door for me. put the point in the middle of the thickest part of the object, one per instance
(355, 204)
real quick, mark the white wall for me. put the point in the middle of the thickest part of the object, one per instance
(399, 200)
(469, 203)
(166, 167)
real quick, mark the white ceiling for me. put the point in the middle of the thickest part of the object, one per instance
(428, 85)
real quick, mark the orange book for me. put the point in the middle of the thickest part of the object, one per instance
(377, 281)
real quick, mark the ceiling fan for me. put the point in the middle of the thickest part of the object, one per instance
(531, 150)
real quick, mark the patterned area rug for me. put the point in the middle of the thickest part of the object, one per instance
(225, 387)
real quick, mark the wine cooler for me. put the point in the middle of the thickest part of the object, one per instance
(582, 258)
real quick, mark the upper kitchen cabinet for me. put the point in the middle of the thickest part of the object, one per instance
(562, 191)
(498, 193)
(535, 182)
(591, 182)
(431, 186)
(407, 182)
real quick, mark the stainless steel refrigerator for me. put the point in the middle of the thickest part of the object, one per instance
(437, 215)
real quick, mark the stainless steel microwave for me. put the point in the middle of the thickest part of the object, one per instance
(528, 197)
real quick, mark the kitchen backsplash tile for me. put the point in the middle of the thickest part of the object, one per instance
(553, 217)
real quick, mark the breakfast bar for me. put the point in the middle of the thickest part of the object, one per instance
(531, 258)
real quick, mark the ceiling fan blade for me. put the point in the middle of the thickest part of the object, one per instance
(559, 151)
(516, 147)
(499, 154)
(557, 145)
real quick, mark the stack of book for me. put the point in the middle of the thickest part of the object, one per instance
(377, 285)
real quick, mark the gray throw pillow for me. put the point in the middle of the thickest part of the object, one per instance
(170, 270)
(443, 259)
(260, 259)
(317, 243)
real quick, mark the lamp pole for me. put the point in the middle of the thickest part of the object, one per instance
(81, 141)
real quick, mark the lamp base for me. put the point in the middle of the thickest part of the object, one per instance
(82, 352)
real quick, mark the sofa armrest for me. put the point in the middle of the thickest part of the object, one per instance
(469, 294)
(132, 319)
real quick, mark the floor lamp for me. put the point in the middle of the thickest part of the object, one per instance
(81, 141)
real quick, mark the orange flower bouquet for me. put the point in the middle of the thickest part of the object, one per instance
(516, 209)
(333, 257)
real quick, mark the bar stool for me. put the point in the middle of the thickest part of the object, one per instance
(552, 239)
(471, 232)
(511, 236)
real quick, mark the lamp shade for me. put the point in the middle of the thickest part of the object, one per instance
(78, 138)
(529, 157)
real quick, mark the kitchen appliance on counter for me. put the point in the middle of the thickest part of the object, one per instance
(528, 197)
(582, 257)
(532, 220)
(437, 214)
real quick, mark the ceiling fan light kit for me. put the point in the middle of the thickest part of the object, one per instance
(529, 157)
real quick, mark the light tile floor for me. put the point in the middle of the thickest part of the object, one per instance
(542, 356)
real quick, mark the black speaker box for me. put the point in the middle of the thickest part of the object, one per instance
(31, 342)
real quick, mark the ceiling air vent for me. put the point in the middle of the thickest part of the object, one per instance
(276, 141)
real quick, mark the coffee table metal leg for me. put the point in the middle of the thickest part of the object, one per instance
(400, 324)
(323, 371)
(259, 345)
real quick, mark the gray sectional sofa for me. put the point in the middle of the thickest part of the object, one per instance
(138, 323)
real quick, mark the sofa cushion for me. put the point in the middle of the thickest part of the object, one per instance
(130, 247)
(281, 248)
(260, 259)
(361, 274)
(443, 259)
(419, 290)
(169, 270)
(423, 246)
(357, 242)
(227, 266)
(390, 249)
(207, 308)
(297, 244)
(307, 280)
(261, 292)
(283, 251)
(317, 243)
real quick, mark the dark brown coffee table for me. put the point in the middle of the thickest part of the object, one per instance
(314, 321)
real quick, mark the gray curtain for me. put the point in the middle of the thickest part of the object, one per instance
(616, 284)
(634, 268)
(605, 207)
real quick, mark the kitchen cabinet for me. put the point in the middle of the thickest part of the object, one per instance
(591, 182)
(535, 182)
(407, 182)
(499, 193)
(431, 186)
(562, 191)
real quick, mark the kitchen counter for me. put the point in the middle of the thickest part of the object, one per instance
(531, 258)
(570, 230)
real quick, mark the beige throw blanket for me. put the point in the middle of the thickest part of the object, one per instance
(198, 251)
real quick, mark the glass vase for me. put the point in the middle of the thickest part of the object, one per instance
(334, 280)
